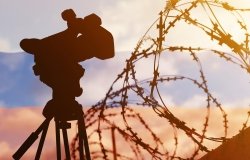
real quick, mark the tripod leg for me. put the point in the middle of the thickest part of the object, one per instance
(40, 146)
(83, 137)
(58, 144)
(30, 140)
(80, 141)
(66, 143)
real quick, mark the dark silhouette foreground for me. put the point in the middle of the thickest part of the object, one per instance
(56, 62)
(57, 58)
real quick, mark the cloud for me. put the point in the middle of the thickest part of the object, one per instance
(237, 103)
(17, 124)
(222, 78)
(226, 81)
(12, 61)
(4, 45)
(128, 20)
(99, 76)
(116, 15)
(5, 149)
(195, 101)
(9, 66)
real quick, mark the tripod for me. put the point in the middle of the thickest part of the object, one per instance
(59, 124)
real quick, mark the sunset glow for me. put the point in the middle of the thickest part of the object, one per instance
(178, 85)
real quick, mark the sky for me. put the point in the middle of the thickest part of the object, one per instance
(36, 22)
(44, 18)
(117, 18)
(11, 141)
(21, 93)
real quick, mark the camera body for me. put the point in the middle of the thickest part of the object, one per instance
(82, 40)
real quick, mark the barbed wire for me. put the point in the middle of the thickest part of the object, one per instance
(119, 101)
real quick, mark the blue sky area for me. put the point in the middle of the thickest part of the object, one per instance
(20, 87)
(18, 84)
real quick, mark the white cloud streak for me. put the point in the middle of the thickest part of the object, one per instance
(4, 45)
(128, 20)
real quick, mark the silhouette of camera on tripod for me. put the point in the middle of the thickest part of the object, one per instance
(56, 63)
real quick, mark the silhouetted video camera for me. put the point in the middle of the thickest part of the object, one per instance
(85, 37)
(57, 56)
